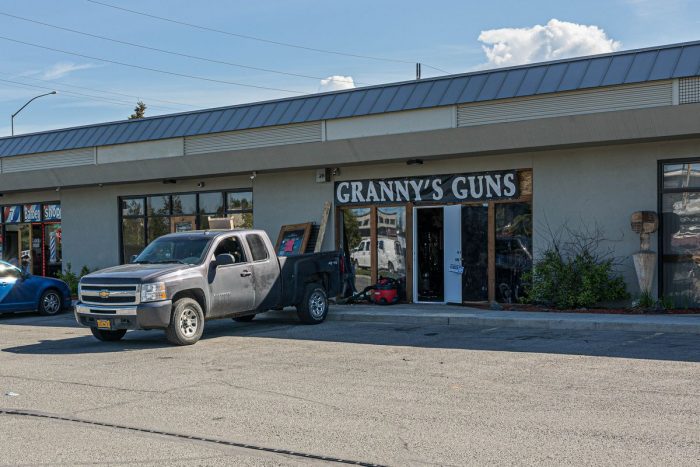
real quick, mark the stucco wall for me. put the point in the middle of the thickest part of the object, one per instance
(292, 197)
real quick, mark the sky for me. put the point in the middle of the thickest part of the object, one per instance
(242, 51)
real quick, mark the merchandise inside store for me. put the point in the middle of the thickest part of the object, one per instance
(31, 237)
(440, 251)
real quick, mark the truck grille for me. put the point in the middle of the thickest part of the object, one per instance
(109, 294)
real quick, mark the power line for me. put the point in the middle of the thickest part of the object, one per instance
(260, 39)
(73, 93)
(170, 52)
(149, 99)
(156, 70)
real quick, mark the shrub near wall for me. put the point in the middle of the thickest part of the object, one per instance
(573, 274)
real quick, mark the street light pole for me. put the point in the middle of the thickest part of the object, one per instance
(12, 119)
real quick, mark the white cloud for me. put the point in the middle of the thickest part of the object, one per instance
(61, 69)
(553, 41)
(336, 83)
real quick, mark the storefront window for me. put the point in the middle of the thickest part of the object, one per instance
(391, 244)
(145, 218)
(31, 237)
(356, 231)
(681, 245)
(513, 249)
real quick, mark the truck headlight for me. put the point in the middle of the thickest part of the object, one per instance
(153, 292)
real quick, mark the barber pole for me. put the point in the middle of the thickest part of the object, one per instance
(52, 248)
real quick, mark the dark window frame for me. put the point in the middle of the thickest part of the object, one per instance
(145, 215)
(660, 192)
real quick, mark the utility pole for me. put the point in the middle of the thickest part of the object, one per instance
(12, 119)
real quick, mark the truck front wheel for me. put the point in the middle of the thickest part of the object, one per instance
(313, 309)
(186, 323)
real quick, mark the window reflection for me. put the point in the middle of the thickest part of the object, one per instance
(356, 230)
(681, 176)
(513, 249)
(681, 247)
(391, 245)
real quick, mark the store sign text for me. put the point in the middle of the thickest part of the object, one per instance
(454, 188)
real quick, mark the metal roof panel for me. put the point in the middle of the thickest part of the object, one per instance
(511, 84)
(531, 81)
(472, 89)
(384, 99)
(196, 126)
(305, 110)
(416, 100)
(351, 104)
(552, 77)
(454, 90)
(212, 118)
(641, 66)
(263, 115)
(320, 109)
(229, 120)
(573, 76)
(436, 92)
(368, 101)
(665, 64)
(336, 106)
(277, 113)
(688, 62)
(493, 84)
(403, 94)
(597, 67)
(617, 71)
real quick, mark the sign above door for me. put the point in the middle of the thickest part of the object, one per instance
(452, 188)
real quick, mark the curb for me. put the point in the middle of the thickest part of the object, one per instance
(682, 324)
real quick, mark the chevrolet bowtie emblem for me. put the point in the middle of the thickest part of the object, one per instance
(104, 293)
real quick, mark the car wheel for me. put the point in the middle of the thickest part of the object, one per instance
(186, 323)
(244, 319)
(108, 336)
(50, 303)
(314, 307)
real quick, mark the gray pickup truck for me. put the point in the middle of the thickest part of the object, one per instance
(181, 280)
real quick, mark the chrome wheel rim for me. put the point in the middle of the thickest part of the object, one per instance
(51, 303)
(317, 304)
(189, 322)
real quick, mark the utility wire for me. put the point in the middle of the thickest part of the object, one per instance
(149, 99)
(156, 70)
(78, 94)
(260, 39)
(170, 52)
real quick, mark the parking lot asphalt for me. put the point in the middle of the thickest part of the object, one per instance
(275, 392)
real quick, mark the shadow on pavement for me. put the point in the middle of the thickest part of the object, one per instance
(636, 345)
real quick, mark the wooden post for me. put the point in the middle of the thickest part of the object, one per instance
(409, 252)
(322, 228)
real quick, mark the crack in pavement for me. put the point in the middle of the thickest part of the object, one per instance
(253, 447)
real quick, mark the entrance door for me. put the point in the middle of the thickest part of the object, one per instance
(430, 255)
(453, 254)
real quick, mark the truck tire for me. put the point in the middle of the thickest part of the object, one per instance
(313, 308)
(244, 319)
(108, 336)
(186, 322)
(50, 303)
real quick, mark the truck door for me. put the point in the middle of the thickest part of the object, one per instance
(266, 273)
(231, 286)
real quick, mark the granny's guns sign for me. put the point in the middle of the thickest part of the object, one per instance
(453, 188)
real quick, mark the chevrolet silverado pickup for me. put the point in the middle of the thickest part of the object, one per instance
(182, 280)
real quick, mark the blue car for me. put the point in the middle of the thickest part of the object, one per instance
(20, 291)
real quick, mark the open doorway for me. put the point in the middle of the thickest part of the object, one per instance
(430, 277)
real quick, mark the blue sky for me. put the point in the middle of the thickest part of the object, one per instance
(450, 35)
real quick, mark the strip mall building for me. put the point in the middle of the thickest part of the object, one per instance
(451, 183)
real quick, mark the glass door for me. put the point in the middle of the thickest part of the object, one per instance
(429, 253)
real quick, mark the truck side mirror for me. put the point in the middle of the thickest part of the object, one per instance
(133, 258)
(224, 259)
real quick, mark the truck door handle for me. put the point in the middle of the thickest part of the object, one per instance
(245, 273)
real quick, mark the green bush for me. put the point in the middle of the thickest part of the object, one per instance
(574, 277)
(71, 278)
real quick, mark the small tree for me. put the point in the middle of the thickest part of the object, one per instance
(139, 111)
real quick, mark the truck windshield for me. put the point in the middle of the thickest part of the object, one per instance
(185, 250)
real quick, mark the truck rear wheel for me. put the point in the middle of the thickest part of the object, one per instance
(108, 336)
(313, 308)
(186, 323)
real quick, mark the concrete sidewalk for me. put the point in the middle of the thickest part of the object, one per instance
(465, 316)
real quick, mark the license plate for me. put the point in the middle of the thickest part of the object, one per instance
(104, 324)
